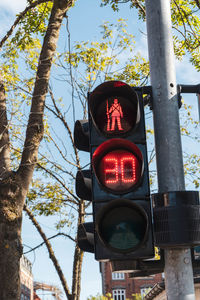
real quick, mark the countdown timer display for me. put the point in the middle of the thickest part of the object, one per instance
(118, 166)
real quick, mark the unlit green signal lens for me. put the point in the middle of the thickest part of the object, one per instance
(123, 228)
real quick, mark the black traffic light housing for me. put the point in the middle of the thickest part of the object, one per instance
(85, 237)
(120, 185)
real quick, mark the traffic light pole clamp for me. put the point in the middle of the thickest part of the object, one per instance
(176, 219)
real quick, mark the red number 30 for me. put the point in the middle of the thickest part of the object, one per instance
(120, 168)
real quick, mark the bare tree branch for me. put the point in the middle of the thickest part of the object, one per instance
(138, 5)
(186, 33)
(35, 128)
(61, 117)
(78, 257)
(70, 67)
(197, 3)
(50, 238)
(63, 185)
(51, 252)
(4, 135)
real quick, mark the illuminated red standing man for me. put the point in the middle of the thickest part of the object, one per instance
(116, 115)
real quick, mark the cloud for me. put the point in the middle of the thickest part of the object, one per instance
(12, 6)
(186, 72)
(8, 10)
(142, 46)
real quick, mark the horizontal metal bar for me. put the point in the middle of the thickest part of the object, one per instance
(188, 88)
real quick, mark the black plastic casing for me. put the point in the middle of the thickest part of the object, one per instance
(140, 194)
(176, 219)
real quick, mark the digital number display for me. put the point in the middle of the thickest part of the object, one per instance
(119, 170)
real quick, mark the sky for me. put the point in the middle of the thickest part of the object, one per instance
(84, 21)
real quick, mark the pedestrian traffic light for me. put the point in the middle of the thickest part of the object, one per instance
(119, 171)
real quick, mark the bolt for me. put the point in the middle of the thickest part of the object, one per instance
(186, 260)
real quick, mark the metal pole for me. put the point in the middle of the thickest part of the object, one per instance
(198, 99)
(178, 267)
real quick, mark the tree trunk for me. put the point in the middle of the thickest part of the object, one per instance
(10, 213)
(14, 185)
(11, 200)
(78, 259)
(51, 253)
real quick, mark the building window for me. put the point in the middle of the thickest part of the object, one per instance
(117, 276)
(119, 295)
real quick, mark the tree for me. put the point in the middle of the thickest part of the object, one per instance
(90, 63)
(185, 24)
(57, 190)
(56, 195)
(96, 61)
(109, 297)
(14, 184)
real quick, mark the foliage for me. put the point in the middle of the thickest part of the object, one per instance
(114, 57)
(34, 23)
(185, 24)
(90, 64)
(13, 203)
(137, 297)
(140, 5)
(101, 297)
(84, 66)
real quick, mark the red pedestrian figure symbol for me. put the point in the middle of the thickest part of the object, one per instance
(116, 114)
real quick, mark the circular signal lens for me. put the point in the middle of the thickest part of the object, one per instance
(114, 108)
(116, 115)
(118, 165)
(119, 170)
(123, 227)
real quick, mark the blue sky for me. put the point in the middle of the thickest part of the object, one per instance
(84, 20)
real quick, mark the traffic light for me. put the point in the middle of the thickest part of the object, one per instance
(120, 193)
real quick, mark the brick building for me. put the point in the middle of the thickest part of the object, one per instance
(35, 296)
(29, 287)
(121, 287)
(26, 278)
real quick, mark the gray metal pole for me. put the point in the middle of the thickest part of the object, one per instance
(198, 99)
(178, 267)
